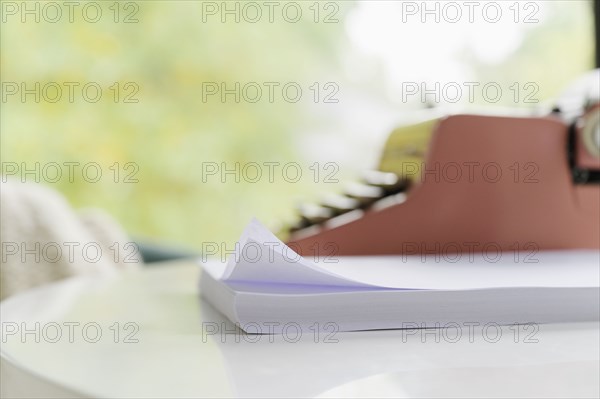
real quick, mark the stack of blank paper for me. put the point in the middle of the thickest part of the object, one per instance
(267, 284)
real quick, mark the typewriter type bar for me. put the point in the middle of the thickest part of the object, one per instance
(374, 187)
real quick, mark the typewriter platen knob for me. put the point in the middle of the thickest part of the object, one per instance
(585, 144)
(591, 132)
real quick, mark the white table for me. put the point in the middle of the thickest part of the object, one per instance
(173, 358)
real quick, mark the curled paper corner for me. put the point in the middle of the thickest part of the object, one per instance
(258, 233)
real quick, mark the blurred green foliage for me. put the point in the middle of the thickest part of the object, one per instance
(170, 131)
(552, 54)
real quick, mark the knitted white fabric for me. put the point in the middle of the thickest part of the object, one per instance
(43, 239)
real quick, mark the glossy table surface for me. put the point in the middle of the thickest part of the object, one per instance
(148, 334)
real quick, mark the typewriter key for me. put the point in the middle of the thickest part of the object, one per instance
(340, 204)
(364, 194)
(313, 214)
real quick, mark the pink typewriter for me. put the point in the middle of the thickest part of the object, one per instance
(472, 183)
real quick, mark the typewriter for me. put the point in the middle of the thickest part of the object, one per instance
(472, 183)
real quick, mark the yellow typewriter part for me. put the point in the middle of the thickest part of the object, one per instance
(407, 145)
(401, 161)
